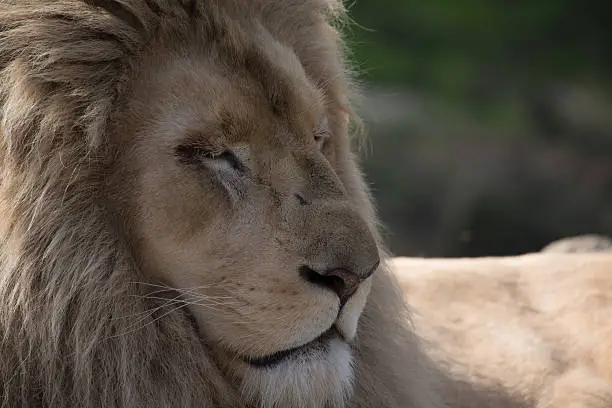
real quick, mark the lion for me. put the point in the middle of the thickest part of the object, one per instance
(184, 221)
(530, 331)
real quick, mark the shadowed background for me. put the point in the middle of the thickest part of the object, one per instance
(490, 122)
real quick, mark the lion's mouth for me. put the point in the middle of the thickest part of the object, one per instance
(319, 345)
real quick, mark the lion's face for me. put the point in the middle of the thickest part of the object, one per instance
(237, 200)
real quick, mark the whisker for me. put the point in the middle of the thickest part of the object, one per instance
(194, 290)
(192, 296)
(149, 323)
(151, 311)
(169, 287)
(191, 301)
(175, 300)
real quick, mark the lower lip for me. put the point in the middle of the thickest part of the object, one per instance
(318, 345)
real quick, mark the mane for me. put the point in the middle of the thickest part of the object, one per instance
(75, 328)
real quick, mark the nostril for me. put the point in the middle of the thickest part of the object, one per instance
(314, 277)
(341, 281)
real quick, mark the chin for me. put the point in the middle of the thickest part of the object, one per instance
(318, 374)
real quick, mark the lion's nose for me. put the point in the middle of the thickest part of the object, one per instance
(343, 281)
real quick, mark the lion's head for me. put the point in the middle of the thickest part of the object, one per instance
(232, 169)
(183, 221)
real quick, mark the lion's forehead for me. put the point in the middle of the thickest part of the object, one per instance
(250, 103)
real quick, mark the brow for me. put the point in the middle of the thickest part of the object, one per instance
(225, 129)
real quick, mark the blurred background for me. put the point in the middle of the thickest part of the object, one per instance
(489, 122)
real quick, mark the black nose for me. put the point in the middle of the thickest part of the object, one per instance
(342, 281)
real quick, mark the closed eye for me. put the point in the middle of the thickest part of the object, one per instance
(228, 167)
(197, 154)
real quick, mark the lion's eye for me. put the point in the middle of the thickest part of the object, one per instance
(228, 167)
(195, 154)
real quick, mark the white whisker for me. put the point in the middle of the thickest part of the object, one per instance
(149, 323)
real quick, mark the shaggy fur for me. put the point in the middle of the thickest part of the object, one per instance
(75, 329)
(517, 332)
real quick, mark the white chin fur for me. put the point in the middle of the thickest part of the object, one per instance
(316, 382)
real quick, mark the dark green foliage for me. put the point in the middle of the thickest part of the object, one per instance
(491, 121)
(457, 47)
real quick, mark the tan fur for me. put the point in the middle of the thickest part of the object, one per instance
(97, 97)
(526, 331)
